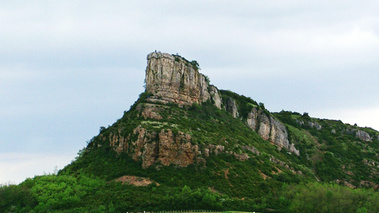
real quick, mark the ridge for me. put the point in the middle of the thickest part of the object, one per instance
(186, 145)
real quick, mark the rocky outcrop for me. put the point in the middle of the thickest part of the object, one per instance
(172, 79)
(314, 125)
(151, 111)
(252, 149)
(362, 135)
(136, 181)
(215, 96)
(176, 150)
(269, 128)
(264, 126)
(311, 124)
(231, 107)
(214, 149)
(252, 119)
(118, 142)
(164, 147)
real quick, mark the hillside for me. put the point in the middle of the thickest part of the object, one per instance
(185, 144)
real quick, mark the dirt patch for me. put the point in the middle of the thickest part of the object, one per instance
(212, 189)
(226, 172)
(278, 171)
(135, 181)
(263, 175)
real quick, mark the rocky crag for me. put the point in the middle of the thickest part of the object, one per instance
(173, 79)
(182, 121)
(186, 145)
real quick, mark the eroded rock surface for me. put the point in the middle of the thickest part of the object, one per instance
(269, 128)
(172, 79)
(364, 136)
(164, 147)
(231, 106)
(135, 181)
(216, 98)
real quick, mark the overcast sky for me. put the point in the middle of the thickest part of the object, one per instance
(69, 67)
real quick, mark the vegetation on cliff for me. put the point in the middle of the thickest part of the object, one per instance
(267, 179)
(226, 152)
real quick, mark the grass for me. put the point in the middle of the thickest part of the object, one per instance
(199, 211)
(301, 135)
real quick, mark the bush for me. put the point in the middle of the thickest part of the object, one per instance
(316, 197)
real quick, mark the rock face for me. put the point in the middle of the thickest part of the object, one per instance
(152, 147)
(252, 119)
(163, 147)
(172, 79)
(360, 134)
(364, 136)
(231, 107)
(315, 125)
(216, 98)
(269, 128)
(310, 124)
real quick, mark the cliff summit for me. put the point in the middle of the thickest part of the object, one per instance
(173, 79)
(181, 121)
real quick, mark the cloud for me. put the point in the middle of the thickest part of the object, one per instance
(16, 167)
(364, 117)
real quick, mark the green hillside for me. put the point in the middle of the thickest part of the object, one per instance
(224, 183)
(167, 156)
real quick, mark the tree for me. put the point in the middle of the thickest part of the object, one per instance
(195, 65)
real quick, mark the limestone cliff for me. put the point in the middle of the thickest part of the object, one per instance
(183, 131)
(231, 107)
(269, 128)
(173, 79)
(153, 147)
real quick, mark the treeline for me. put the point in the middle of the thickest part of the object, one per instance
(65, 193)
(316, 197)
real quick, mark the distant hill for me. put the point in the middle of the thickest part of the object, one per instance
(186, 145)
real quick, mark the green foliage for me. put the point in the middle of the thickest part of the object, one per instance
(14, 197)
(332, 151)
(207, 79)
(316, 197)
(289, 117)
(49, 193)
(244, 104)
(64, 193)
(267, 180)
(306, 116)
(195, 65)
(177, 57)
(329, 168)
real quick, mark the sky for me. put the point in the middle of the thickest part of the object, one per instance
(69, 67)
